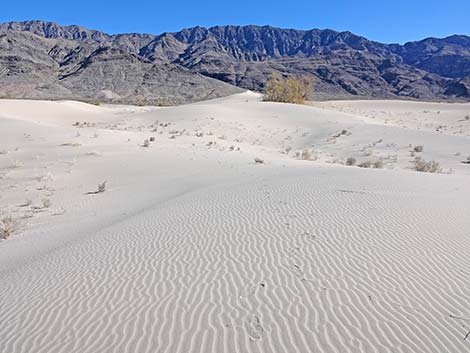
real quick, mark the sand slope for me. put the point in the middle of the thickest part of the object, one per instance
(195, 248)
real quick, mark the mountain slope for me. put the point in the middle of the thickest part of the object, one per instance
(42, 59)
(94, 67)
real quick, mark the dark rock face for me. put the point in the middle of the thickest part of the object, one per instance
(44, 60)
(448, 57)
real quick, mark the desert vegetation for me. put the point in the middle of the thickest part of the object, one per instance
(100, 189)
(377, 164)
(287, 89)
(427, 166)
(306, 155)
(351, 161)
(9, 225)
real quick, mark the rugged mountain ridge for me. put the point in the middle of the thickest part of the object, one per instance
(45, 60)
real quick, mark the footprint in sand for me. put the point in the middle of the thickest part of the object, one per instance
(298, 272)
(255, 330)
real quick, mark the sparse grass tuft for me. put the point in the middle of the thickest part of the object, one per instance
(71, 144)
(378, 164)
(351, 161)
(46, 203)
(427, 167)
(306, 155)
(8, 226)
(101, 188)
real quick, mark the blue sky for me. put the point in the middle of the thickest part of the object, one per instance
(381, 20)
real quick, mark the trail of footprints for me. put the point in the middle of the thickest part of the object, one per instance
(221, 271)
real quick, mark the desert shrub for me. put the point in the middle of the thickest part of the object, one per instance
(341, 133)
(351, 161)
(378, 164)
(8, 226)
(259, 161)
(467, 161)
(366, 164)
(146, 143)
(287, 90)
(46, 203)
(305, 155)
(428, 167)
(418, 148)
(102, 187)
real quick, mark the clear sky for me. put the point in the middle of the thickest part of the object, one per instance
(382, 20)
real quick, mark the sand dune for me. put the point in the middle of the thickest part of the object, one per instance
(196, 248)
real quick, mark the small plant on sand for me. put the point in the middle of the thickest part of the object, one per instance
(259, 161)
(71, 144)
(467, 161)
(351, 161)
(418, 148)
(287, 90)
(101, 188)
(305, 155)
(46, 203)
(427, 167)
(146, 143)
(378, 164)
(341, 133)
(8, 226)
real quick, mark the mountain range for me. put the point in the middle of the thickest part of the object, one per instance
(43, 60)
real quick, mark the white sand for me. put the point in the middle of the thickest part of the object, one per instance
(195, 248)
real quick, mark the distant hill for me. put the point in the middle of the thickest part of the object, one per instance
(44, 60)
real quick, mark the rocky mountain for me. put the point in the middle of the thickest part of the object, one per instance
(44, 60)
